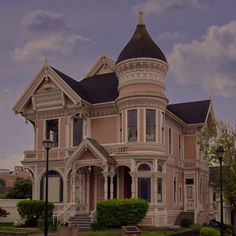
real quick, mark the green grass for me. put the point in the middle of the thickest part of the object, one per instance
(8, 227)
(117, 232)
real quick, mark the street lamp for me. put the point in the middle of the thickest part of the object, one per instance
(220, 153)
(47, 144)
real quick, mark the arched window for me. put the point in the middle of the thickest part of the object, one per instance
(144, 167)
(55, 187)
(159, 168)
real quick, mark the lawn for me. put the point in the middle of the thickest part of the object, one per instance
(116, 232)
(8, 227)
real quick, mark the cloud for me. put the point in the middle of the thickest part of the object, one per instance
(54, 43)
(11, 161)
(160, 6)
(169, 36)
(48, 34)
(209, 62)
(39, 20)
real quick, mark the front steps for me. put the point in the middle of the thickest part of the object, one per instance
(81, 220)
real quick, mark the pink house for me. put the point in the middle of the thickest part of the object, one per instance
(117, 136)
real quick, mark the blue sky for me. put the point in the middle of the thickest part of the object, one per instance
(198, 38)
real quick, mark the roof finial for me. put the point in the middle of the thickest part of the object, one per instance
(46, 59)
(141, 18)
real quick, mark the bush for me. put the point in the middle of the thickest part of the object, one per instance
(117, 212)
(208, 231)
(32, 210)
(51, 226)
(3, 213)
(186, 222)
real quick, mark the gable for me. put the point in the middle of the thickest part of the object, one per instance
(47, 87)
(104, 65)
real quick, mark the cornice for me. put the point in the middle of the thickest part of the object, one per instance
(141, 101)
(139, 64)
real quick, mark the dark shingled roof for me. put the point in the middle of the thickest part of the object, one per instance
(101, 88)
(191, 112)
(95, 89)
(141, 45)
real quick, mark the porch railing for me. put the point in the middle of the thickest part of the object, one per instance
(93, 215)
(64, 213)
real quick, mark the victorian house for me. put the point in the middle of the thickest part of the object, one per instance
(116, 136)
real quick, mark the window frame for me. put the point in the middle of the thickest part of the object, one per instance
(150, 126)
(57, 144)
(132, 139)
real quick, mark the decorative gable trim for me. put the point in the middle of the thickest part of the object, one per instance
(46, 71)
(84, 146)
(104, 65)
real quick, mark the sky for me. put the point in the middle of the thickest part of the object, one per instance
(198, 38)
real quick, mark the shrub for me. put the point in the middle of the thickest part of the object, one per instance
(186, 222)
(208, 231)
(3, 213)
(51, 226)
(32, 210)
(117, 212)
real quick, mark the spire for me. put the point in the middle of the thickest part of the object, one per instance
(141, 18)
(46, 59)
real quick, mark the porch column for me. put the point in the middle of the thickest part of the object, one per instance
(154, 177)
(73, 192)
(112, 185)
(80, 187)
(105, 174)
(133, 176)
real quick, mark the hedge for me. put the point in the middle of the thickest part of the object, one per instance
(208, 231)
(117, 212)
(32, 210)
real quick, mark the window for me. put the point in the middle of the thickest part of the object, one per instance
(52, 131)
(120, 119)
(159, 189)
(55, 187)
(170, 141)
(150, 125)
(162, 128)
(174, 189)
(144, 167)
(180, 146)
(77, 131)
(189, 192)
(189, 181)
(144, 188)
(159, 168)
(132, 125)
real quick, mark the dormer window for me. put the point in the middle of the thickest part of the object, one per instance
(77, 131)
(132, 126)
(52, 130)
(150, 125)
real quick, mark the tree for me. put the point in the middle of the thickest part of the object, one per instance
(222, 134)
(22, 189)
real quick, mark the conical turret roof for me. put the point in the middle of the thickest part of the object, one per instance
(141, 45)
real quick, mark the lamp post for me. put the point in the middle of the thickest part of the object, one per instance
(47, 144)
(220, 153)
